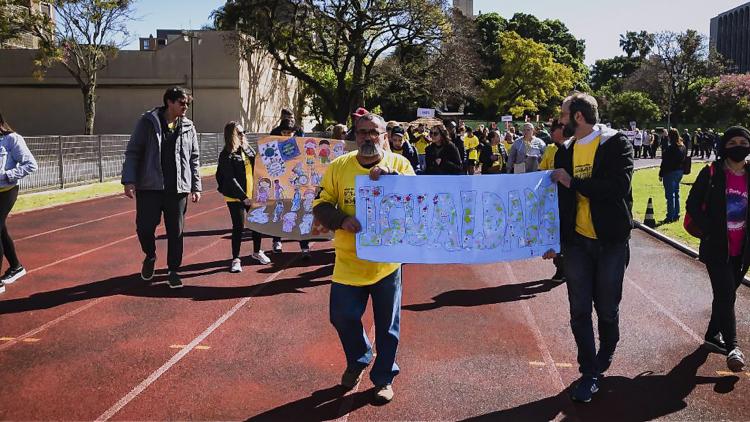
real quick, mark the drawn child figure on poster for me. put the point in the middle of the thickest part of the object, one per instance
(264, 188)
(278, 190)
(296, 199)
(324, 151)
(309, 197)
(338, 149)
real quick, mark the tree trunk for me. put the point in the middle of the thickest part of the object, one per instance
(89, 108)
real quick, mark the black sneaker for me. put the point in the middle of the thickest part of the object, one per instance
(715, 344)
(558, 277)
(583, 391)
(13, 274)
(147, 269)
(174, 280)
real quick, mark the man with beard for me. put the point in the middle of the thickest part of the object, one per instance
(594, 170)
(354, 279)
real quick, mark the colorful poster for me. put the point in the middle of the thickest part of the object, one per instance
(457, 219)
(287, 177)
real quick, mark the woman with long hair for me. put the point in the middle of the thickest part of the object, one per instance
(670, 174)
(441, 156)
(234, 176)
(718, 206)
(16, 163)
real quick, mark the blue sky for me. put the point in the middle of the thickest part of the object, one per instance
(600, 22)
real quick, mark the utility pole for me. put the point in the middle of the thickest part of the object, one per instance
(189, 36)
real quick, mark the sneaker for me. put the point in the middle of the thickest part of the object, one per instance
(174, 280)
(261, 257)
(147, 269)
(351, 377)
(736, 360)
(305, 253)
(277, 246)
(236, 266)
(587, 386)
(2, 287)
(559, 276)
(383, 394)
(13, 274)
(715, 344)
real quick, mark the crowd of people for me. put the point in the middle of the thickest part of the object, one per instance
(591, 163)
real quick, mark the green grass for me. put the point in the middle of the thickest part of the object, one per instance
(32, 201)
(646, 185)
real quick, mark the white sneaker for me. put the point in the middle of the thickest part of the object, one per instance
(236, 266)
(736, 360)
(277, 246)
(261, 257)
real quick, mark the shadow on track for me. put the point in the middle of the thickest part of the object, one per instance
(647, 396)
(322, 405)
(486, 296)
(132, 285)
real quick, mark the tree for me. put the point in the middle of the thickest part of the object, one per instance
(531, 79)
(633, 42)
(489, 27)
(346, 36)
(612, 72)
(87, 35)
(632, 106)
(726, 101)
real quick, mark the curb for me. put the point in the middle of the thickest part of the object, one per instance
(687, 250)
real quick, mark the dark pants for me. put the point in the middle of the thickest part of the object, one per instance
(671, 183)
(637, 151)
(594, 273)
(303, 244)
(559, 262)
(7, 248)
(237, 212)
(725, 279)
(149, 206)
(348, 304)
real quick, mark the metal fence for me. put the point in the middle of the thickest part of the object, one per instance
(66, 161)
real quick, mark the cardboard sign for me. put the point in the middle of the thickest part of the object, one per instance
(425, 112)
(506, 119)
(457, 219)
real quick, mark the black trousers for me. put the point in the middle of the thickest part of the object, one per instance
(7, 248)
(725, 279)
(237, 212)
(149, 206)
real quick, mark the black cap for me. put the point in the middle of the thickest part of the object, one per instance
(397, 130)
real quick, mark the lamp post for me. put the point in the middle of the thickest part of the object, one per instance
(189, 36)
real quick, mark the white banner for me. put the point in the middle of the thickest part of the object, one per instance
(425, 112)
(506, 119)
(457, 219)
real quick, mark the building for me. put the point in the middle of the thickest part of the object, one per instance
(465, 6)
(730, 36)
(28, 40)
(226, 86)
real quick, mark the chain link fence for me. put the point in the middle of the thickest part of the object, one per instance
(66, 161)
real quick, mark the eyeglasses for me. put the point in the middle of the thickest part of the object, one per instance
(372, 132)
(184, 103)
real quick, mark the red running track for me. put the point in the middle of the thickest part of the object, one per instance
(83, 338)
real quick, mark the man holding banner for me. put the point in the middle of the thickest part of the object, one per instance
(594, 170)
(354, 279)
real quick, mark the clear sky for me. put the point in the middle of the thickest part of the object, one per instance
(599, 22)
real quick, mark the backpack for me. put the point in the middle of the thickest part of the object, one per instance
(689, 223)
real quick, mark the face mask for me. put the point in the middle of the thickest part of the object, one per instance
(737, 154)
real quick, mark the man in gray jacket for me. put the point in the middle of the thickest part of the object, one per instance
(160, 170)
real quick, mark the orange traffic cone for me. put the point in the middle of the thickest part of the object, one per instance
(649, 220)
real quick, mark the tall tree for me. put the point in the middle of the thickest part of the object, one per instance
(632, 106)
(346, 36)
(633, 42)
(87, 35)
(531, 79)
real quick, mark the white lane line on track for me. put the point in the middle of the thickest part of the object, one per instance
(86, 252)
(76, 225)
(543, 348)
(182, 353)
(82, 308)
(666, 311)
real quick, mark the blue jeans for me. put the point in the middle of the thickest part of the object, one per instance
(671, 182)
(594, 273)
(348, 304)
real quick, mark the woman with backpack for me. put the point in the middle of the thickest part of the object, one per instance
(717, 212)
(234, 176)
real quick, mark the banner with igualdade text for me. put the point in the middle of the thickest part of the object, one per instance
(457, 219)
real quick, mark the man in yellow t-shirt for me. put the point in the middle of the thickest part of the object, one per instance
(471, 145)
(354, 279)
(593, 169)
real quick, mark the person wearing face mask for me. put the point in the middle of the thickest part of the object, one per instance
(718, 205)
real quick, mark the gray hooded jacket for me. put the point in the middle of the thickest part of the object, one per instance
(142, 166)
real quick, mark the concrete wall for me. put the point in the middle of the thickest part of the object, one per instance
(225, 88)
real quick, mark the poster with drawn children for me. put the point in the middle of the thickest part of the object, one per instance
(287, 177)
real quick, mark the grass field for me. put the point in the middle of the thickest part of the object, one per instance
(646, 185)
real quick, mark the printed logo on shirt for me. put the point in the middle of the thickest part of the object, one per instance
(736, 209)
(349, 196)
(583, 171)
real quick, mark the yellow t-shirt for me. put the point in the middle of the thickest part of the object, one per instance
(496, 151)
(397, 151)
(583, 161)
(337, 188)
(548, 158)
(248, 179)
(469, 143)
(421, 145)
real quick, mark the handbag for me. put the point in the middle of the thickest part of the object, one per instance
(689, 224)
(687, 164)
